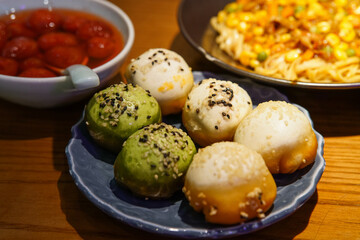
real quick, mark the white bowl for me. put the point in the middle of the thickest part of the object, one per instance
(56, 91)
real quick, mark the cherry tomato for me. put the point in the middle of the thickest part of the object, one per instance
(20, 48)
(64, 56)
(44, 20)
(32, 62)
(8, 66)
(3, 34)
(93, 29)
(52, 39)
(37, 72)
(16, 29)
(100, 47)
(72, 23)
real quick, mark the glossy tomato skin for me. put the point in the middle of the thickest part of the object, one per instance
(16, 29)
(53, 39)
(72, 23)
(32, 62)
(37, 72)
(20, 48)
(3, 34)
(93, 28)
(100, 47)
(64, 56)
(44, 20)
(8, 66)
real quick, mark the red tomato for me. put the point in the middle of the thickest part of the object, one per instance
(44, 20)
(20, 48)
(3, 34)
(8, 66)
(37, 72)
(93, 29)
(99, 47)
(16, 29)
(53, 39)
(64, 56)
(33, 62)
(72, 23)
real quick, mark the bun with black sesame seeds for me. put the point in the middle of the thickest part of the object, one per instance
(116, 112)
(154, 160)
(229, 183)
(281, 133)
(165, 74)
(213, 110)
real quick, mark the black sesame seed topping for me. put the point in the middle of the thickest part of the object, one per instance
(148, 116)
(216, 127)
(197, 110)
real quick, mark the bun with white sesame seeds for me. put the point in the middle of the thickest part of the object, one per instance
(165, 74)
(116, 112)
(281, 133)
(154, 160)
(229, 183)
(213, 110)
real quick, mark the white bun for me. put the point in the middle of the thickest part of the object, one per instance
(229, 183)
(213, 110)
(281, 133)
(165, 74)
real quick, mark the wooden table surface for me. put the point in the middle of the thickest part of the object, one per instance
(39, 200)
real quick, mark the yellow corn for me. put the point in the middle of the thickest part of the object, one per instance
(341, 13)
(292, 55)
(323, 27)
(346, 25)
(260, 15)
(245, 58)
(221, 16)
(231, 21)
(285, 37)
(347, 34)
(245, 16)
(340, 54)
(254, 63)
(242, 27)
(258, 31)
(332, 39)
(342, 46)
(257, 48)
(357, 10)
(340, 3)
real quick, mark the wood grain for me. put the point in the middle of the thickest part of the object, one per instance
(39, 200)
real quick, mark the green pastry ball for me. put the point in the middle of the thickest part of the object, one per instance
(118, 111)
(154, 160)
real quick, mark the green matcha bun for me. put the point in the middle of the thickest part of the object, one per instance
(118, 111)
(154, 160)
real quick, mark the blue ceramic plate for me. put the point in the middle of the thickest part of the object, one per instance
(92, 170)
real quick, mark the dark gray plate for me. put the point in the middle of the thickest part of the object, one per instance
(193, 19)
(92, 170)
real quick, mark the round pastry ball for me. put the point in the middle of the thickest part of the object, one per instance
(154, 160)
(116, 112)
(229, 183)
(213, 110)
(281, 133)
(165, 74)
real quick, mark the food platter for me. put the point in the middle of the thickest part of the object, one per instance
(194, 25)
(92, 170)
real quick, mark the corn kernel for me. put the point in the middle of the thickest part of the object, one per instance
(242, 27)
(342, 46)
(221, 16)
(260, 14)
(292, 55)
(340, 3)
(346, 25)
(258, 31)
(254, 63)
(257, 48)
(333, 39)
(339, 15)
(244, 58)
(285, 37)
(231, 21)
(357, 10)
(245, 16)
(323, 27)
(340, 54)
(347, 34)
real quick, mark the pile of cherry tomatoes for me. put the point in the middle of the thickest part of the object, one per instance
(42, 42)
